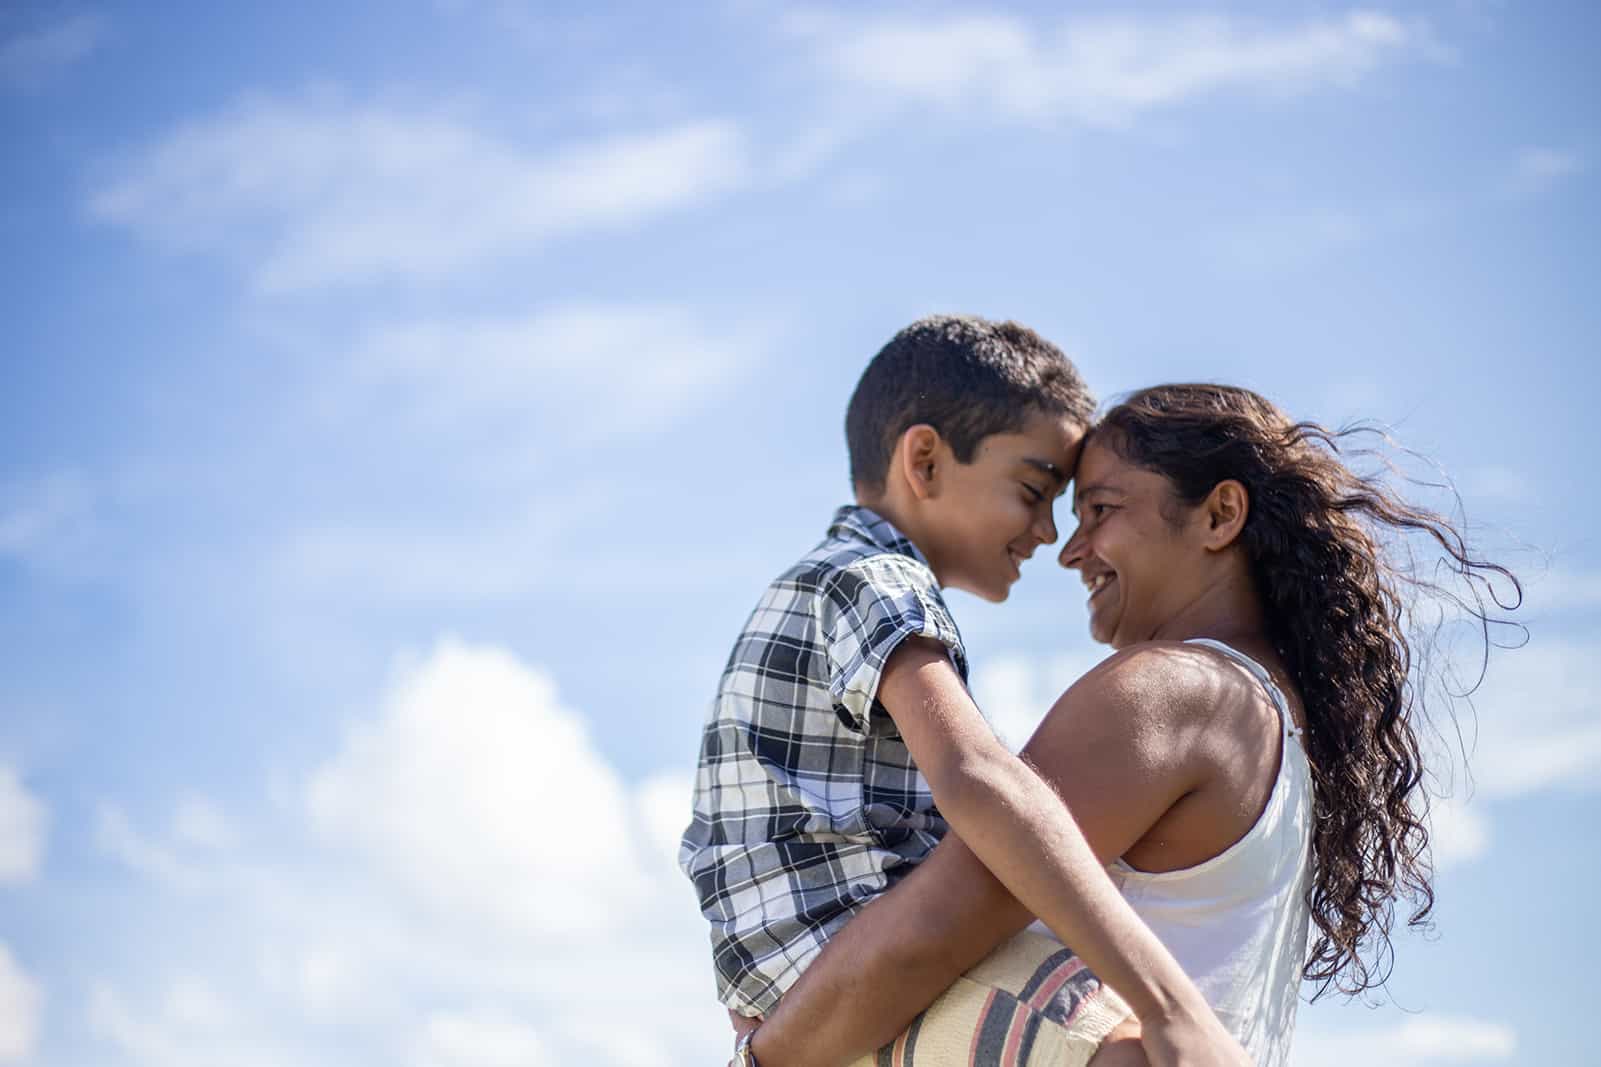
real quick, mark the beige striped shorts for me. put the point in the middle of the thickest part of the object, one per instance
(1030, 1003)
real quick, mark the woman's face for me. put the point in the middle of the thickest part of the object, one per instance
(1135, 547)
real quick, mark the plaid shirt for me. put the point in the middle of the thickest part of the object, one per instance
(807, 803)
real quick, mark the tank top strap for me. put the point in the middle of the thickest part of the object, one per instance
(1260, 673)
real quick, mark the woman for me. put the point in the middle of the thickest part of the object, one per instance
(1247, 761)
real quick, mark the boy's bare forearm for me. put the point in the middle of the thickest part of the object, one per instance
(1019, 828)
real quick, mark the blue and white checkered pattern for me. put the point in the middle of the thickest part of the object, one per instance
(807, 803)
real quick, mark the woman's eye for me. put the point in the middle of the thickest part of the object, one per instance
(1033, 494)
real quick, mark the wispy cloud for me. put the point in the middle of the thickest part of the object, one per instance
(466, 1040)
(1016, 691)
(45, 519)
(1426, 1039)
(1538, 169)
(319, 192)
(1459, 830)
(1096, 71)
(1538, 716)
(1272, 242)
(119, 838)
(29, 60)
(21, 1001)
(23, 824)
(642, 365)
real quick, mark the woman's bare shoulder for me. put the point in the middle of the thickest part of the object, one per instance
(1187, 675)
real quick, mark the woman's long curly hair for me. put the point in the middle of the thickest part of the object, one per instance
(1319, 537)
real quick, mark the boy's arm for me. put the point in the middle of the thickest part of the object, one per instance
(1018, 828)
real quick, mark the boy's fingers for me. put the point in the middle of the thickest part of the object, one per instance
(742, 1023)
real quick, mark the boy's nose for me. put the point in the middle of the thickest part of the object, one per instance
(1045, 529)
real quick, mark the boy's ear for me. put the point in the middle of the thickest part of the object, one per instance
(1225, 510)
(919, 455)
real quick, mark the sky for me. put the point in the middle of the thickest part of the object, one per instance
(404, 404)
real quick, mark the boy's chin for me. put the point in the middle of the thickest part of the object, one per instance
(992, 595)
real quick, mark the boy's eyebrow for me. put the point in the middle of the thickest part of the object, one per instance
(1050, 470)
(1045, 466)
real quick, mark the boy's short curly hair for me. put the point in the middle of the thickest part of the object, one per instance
(965, 376)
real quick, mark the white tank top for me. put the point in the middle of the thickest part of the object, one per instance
(1237, 923)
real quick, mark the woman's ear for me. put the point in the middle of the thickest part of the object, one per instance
(1227, 507)
(918, 454)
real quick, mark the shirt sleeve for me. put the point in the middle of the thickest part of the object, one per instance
(866, 610)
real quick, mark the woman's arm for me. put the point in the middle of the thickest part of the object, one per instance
(1115, 747)
(893, 960)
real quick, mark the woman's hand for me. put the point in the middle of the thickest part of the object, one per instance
(1190, 1041)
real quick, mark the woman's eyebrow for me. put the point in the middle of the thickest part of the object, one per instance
(1094, 487)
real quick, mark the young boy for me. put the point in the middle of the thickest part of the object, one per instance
(843, 718)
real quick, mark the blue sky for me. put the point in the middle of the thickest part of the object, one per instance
(404, 404)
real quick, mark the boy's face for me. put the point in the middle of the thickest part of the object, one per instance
(991, 514)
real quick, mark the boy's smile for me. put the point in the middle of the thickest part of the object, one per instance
(989, 515)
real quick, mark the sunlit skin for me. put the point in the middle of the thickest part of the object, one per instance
(1165, 753)
(977, 522)
(1152, 567)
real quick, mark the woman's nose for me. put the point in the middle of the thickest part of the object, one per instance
(1072, 553)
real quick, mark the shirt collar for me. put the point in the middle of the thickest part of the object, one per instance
(864, 524)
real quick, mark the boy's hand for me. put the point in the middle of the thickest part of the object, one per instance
(742, 1024)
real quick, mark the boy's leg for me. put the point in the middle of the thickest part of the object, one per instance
(1030, 1003)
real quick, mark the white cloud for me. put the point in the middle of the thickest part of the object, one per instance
(559, 368)
(28, 60)
(1538, 169)
(480, 1041)
(193, 1003)
(1459, 831)
(117, 837)
(543, 809)
(472, 870)
(1096, 70)
(44, 519)
(1277, 241)
(191, 1027)
(540, 389)
(21, 1002)
(1426, 1039)
(321, 192)
(1498, 482)
(1015, 691)
(661, 806)
(23, 823)
(1561, 590)
(1538, 718)
(198, 821)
